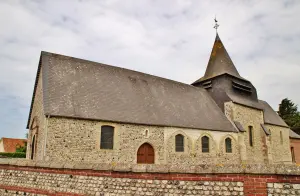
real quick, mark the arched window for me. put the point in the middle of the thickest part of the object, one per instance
(107, 137)
(205, 144)
(250, 136)
(179, 143)
(228, 145)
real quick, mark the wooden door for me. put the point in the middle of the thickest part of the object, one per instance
(145, 154)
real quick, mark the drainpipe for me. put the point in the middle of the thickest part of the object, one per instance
(46, 134)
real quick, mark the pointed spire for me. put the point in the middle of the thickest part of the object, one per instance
(219, 62)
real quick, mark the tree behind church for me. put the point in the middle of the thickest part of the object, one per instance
(288, 111)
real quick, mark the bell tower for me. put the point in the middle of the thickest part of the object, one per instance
(223, 81)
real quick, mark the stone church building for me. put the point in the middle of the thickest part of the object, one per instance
(92, 112)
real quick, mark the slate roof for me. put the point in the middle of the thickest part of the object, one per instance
(296, 130)
(11, 144)
(294, 135)
(270, 116)
(88, 90)
(244, 101)
(219, 62)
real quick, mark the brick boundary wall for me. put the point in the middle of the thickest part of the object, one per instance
(253, 184)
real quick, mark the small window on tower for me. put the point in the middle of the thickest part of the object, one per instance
(250, 136)
(146, 133)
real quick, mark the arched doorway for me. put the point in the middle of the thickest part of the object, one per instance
(33, 147)
(145, 154)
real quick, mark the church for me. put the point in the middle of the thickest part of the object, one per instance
(83, 111)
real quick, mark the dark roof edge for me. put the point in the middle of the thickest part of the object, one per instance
(34, 89)
(248, 106)
(240, 78)
(160, 125)
(88, 61)
(294, 135)
(267, 132)
(276, 125)
(294, 138)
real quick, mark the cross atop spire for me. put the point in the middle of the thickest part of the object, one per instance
(216, 24)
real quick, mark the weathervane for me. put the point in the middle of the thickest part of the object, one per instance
(216, 24)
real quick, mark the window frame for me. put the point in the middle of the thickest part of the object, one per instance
(107, 145)
(179, 147)
(205, 143)
(228, 150)
(250, 135)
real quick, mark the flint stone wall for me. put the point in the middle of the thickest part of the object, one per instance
(94, 185)
(79, 140)
(5, 192)
(283, 189)
(65, 178)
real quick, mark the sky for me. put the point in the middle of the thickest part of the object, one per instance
(166, 38)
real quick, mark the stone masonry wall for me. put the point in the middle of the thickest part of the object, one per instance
(104, 185)
(280, 148)
(283, 189)
(50, 178)
(251, 117)
(193, 148)
(79, 140)
(6, 192)
(268, 149)
(37, 123)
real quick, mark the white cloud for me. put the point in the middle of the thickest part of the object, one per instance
(172, 39)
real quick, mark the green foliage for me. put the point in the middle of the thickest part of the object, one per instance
(288, 111)
(22, 148)
(13, 155)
